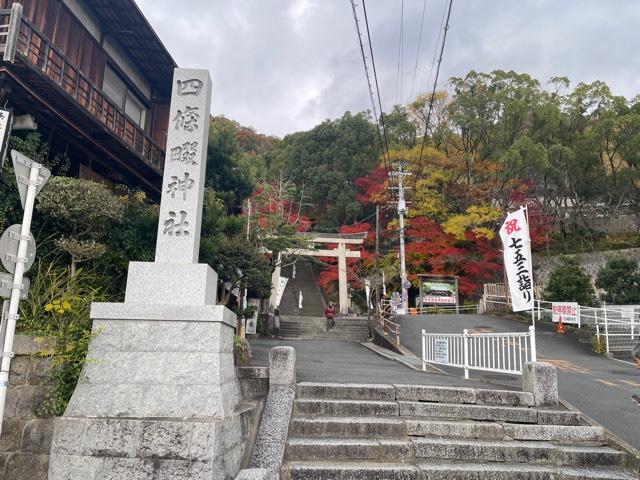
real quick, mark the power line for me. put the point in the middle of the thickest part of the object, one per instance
(415, 68)
(435, 83)
(375, 76)
(400, 72)
(385, 152)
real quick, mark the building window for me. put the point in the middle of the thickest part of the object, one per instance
(119, 93)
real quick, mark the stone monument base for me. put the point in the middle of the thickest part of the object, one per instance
(157, 399)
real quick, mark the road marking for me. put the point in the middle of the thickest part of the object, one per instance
(631, 383)
(565, 365)
(609, 384)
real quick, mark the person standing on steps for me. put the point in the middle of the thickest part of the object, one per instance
(330, 313)
(276, 322)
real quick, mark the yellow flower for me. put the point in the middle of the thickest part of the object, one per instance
(48, 307)
(66, 305)
(60, 310)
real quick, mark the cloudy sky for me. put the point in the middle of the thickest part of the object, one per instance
(286, 65)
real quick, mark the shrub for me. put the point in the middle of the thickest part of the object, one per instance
(620, 280)
(568, 282)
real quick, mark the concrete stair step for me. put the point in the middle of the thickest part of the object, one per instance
(429, 393)
(349, 471)
(367, 470)
(345, 407)
(348, 427)
(348, 449)
(594, 436)
(498, 413)
(346, 391)
(516, 471)
(515, 451)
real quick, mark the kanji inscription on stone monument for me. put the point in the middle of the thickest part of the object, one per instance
(184, 168)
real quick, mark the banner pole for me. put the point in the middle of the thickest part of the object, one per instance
(533, 287)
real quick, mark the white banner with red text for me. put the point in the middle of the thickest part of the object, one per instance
(517, 260)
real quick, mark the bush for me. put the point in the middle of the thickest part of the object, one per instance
(568, 282)
(58, 307)
(620, 280)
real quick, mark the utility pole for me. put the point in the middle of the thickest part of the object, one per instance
(400, 173)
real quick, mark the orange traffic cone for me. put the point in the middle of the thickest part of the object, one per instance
(560, 327)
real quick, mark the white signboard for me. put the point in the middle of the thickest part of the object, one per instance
(252, 323)
(6, 119)
(517, 260)
(441, 350)
(569, 311)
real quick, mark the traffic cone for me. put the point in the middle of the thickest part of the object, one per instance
(560, 327)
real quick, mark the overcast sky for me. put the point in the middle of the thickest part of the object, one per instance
(285, 65)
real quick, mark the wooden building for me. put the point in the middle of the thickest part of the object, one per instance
(97, 79)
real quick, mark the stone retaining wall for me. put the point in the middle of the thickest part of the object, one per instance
(26, 436)
(592, 262)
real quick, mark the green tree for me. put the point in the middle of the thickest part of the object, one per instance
(82, 213)
(568, 282)
(620, 280)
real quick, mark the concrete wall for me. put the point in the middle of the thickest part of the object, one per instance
(26, 436)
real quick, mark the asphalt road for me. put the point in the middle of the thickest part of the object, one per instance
(600, 387)
(349, 362)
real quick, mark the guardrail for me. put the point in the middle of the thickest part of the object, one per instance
(618, 327)
(387, 326)
(492, 352)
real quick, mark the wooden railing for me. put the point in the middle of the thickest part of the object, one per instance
(37, 49)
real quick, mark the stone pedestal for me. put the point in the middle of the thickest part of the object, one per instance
(157, 398)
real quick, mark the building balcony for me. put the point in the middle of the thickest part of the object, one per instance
(37, 65)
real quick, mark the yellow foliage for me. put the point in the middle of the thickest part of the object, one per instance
(474, 218)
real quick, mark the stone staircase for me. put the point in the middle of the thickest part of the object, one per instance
(405, 432)
(313, 302)
(315, 328)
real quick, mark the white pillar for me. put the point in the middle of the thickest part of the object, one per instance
(342, 278)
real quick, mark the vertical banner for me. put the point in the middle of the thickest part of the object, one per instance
(253, 321)
(517, 260)
(282, 284)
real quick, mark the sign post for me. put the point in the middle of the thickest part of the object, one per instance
(29, 188)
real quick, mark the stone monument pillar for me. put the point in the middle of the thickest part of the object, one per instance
(158, 394)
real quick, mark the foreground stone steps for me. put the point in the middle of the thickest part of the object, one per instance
(470, 450)
(367, 470)
(378, 426)
(415, 432)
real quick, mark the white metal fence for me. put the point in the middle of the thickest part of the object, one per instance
(617, 326)
(492, 352)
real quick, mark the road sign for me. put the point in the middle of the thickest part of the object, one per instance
(6, 285)
(22, 167)
(9, 249)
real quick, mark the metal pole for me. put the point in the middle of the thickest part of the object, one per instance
(12, 316)
(465, 333)
(424, 364)
(532, 338)
(457, 298)
(606, 326)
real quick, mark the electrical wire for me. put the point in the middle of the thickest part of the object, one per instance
(415, 68)
(385, 152)
(375, 76)
(435, 83)
(400, 70)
